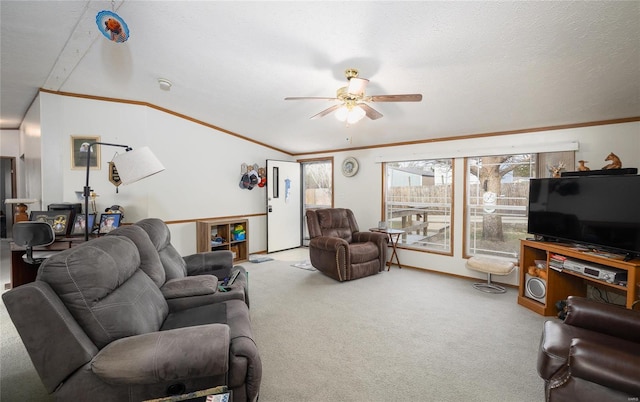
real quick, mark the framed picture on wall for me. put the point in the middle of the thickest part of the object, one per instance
(79, 149)
(108, 222)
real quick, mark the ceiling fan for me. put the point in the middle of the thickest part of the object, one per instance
(353, 107)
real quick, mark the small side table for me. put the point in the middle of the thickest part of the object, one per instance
(394, 236)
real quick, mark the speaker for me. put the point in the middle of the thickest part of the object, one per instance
(535, 288)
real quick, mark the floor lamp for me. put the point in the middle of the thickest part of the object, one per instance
(133, 165)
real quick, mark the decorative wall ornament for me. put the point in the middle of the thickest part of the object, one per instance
(114, 177)
(79, 149)
(349, 167)
(112, 26)
(251, 176)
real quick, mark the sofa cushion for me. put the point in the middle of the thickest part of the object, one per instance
(149, 259)
(202, 315)
(158, 232)
(363, 252)
(110, 296)
(334, 223)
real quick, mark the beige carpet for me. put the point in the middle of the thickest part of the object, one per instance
(403, 335)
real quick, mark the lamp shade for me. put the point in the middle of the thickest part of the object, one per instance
(137, 164)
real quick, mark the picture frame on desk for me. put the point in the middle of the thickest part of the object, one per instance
(79, 223)
(59, 220)
(108, 222)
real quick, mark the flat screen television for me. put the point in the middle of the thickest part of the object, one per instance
(602, 212)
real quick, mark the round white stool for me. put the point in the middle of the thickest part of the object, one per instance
(490, 266)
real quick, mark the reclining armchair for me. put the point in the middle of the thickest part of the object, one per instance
(217, 263)
(594, 355)
(97, 327)
(339, 249)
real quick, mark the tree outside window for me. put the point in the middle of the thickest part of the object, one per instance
(497, 197)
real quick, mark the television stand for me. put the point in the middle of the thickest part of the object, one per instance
(565, 283)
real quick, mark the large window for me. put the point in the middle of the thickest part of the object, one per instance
(418, 199)
(497, 197)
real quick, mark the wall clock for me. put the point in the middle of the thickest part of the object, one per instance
(349, 167)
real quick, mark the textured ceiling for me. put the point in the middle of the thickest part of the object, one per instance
(481, 66)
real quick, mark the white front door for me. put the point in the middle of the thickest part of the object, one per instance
(283, 206)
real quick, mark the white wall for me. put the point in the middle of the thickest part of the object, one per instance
(203, 169)
(595, 143)
(10, 143)
(24, 146)
(202, 166)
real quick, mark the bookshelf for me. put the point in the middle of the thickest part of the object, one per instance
(212, 235)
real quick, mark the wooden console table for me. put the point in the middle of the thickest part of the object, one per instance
(22, 272)
(560, 285)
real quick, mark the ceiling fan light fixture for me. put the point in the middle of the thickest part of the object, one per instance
(350, 114)
(342, 113)
(355, 115)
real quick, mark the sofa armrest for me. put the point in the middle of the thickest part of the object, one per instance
(188, 286)
(326, 243)
(42, 319)
(218, 263)
(162, 356)
(374, 237)
(612, 366)
(603, 318)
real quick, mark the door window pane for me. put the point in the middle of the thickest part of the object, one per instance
(317, 184)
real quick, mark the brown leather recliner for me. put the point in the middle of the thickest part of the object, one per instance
(594, 355)
(339, 249)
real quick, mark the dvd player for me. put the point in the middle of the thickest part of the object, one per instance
(597, 271)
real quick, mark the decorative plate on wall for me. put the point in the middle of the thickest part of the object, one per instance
(349, 167)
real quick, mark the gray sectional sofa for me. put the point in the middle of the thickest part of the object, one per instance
(98, 322)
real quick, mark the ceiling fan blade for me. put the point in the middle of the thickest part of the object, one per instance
(371, 112)
(357, 85)
(326, 112)
(395, 98)
(310, 97)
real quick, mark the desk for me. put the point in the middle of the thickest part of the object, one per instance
(21, 272)
(394, 236)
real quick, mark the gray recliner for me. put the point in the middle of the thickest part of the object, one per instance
(217, 263)
(183, 291)
(96, 326)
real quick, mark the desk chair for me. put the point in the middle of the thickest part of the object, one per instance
(29, 234)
